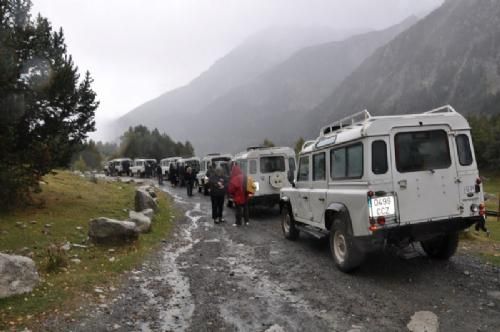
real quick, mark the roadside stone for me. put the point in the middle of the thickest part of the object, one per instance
(423, 321)
(66, 246)
(148, 213)
(105, 230)
(75, 261)
(33, 222)
(18, 275)
(47, 225)
(494, 294)
(143, 201)
(142, 222)
(467, 273)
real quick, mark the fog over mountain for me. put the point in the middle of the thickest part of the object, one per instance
(266, 106)
(449, 57)
(253, 57)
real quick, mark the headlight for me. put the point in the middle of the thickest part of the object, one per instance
(256, 186)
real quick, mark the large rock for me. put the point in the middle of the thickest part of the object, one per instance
(148, 213)
(143, 200)
(105, 230)
(18, 275)
(142, 222)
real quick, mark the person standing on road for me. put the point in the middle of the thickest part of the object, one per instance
(238, 191)
(189, 181)
(172, 173)
(217, 184)
(159, 173)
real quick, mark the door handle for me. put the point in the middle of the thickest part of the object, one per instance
(321, 199)
(305, 197)
(403, 184)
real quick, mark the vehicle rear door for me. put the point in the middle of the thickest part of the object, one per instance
(424, 173)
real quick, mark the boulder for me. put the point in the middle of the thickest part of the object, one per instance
(18, 275)
(142, 222)
(148, 213)
(105, 230)
(143, 200)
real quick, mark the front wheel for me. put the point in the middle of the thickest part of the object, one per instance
(288, 224)
(441, 247)
(345, 254)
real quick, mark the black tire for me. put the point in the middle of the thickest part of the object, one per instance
(441, 247)
(288, 224)
(346, 255)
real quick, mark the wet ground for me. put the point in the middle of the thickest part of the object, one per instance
(222, 278)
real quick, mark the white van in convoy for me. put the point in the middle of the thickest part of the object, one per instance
(119, 166)
(269, 168)
(140, 167)
(165, 164)
(368, 181)
(215, 160)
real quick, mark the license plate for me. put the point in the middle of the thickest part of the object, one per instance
(382, 206)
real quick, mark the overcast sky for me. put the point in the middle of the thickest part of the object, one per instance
(138, 49)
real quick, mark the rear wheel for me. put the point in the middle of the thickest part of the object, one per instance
(288, 224)
(346, 255)
(441, 247)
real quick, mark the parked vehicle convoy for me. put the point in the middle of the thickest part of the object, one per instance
(269, 168)
(368, 181)
(165, 164)
(143, 167)
(214, 160)
(119, 166)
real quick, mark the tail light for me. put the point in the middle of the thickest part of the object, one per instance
(478, 185)
(371, 194)
(482, 209)
(381, 220)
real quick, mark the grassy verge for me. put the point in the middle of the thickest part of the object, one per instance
(477, 242)
(67, 203)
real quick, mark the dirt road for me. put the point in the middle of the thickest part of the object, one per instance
(222, 278)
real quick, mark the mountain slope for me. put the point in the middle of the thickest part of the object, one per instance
(253, 57)
(451, 56)
(265, 105)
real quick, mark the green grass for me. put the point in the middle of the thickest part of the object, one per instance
(70, 201)
(488, 248)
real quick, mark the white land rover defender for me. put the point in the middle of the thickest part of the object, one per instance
(140, 167)
(165, 164)
(368, 181)
(214, 160)
(269, 168)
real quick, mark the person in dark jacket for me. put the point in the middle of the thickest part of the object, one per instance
(218, 185)
(238, 190)
(189, 181)
(159, 173)
(172, 173)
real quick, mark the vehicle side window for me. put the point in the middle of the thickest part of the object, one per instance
(303, 169)
(253, 166)
(291, 164)
(347, 162)
(243, 165)
(319, 167)
(464, 150)
(379, 157)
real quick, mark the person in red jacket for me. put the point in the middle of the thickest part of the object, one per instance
(238, 191)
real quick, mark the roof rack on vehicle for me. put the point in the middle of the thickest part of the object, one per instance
(213, 154)
(347, 121)
(442, 109)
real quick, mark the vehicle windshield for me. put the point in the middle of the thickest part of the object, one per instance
(422, 150)
(272, 164)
